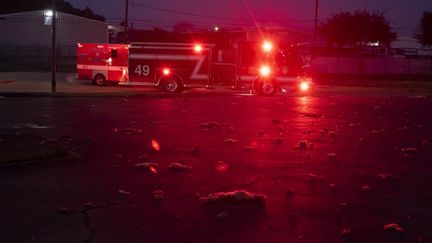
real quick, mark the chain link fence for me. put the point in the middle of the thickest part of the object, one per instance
(36, 58)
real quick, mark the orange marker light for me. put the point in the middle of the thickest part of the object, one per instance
(198, 48)
(155, 145)
(166, 71)
(265, 71)
(267, 46)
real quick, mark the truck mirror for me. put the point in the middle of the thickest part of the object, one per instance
(114, 53)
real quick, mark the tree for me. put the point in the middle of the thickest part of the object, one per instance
(357, 29)
(425, 35)
(12, 6)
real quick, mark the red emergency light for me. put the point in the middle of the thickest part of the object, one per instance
(166, 71)
(198, 48)
(267, 46)
(265, 70)
(304, 86)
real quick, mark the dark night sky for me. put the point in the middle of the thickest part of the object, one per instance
(404, 15)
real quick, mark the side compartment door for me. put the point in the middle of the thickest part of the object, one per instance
(142, 70)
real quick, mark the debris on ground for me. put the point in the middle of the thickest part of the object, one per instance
(426, 143)
(409, 151)
(133, 131)
(323, 132)
(179, 167)
(209, 125)
(346, 235)
(49, 141)
(153, 124)
(155, 145)
(194, 151)
(312, 178)
(396, 232)
(331, 157)
(387, 177)
(230, 141)
(147, 167)
(365, 188)
(240, 196)
(222, 166)
(89, 204)
(278, 141)
(293, 220)
(332, 134)
(32, 126)
(66, 210)
(332, 188)
(302, 145)
(158, 195)
(276, 121)
(123, 192)
(250, 148)
(143, 157)
(222, 216)
(289, 192)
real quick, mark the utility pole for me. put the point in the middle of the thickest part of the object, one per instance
(316, 21)
(53, 48)
(126, 22)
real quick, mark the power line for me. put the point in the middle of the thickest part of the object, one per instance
(209, 16)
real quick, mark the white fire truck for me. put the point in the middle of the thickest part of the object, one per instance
(176, 66)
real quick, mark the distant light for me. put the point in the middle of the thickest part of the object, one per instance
(48, 13)
(198, 48)
(373, 43)
(265, 71)
(216, 28)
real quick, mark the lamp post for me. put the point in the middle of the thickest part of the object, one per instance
(53, 48)
(316, 20)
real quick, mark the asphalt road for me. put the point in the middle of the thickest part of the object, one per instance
(331, 168)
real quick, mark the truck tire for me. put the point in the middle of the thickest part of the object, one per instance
(171, 85)
(267, 87)
(99, 80)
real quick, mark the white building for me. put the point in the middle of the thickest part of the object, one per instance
(33, 29)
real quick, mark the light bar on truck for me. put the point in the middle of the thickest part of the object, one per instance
(267, 46)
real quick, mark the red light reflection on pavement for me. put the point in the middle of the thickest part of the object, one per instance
(155, 145)
(222, 166)
(153, 170)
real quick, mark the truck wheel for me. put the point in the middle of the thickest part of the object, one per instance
(99, 80)
(267, 88)
(172, 85)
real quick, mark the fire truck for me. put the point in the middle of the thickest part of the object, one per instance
(174, 67)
